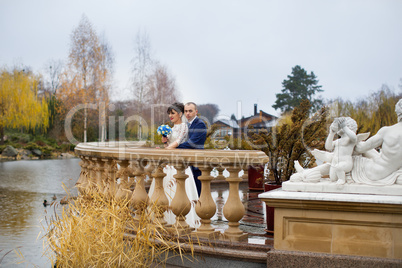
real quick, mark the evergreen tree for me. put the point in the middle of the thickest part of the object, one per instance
(299, 86)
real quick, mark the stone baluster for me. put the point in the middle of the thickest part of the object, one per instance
(234, 209)
(82, 182)
(159, 201)
(123, 192)
(148, 171)
(91, 175)
(113, 174)
(181, 205)
(220, 173)
(139, 199)
(99, 174)
(206, 207)
(109, 173)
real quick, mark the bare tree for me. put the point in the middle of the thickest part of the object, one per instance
(53, 71)
(142, 64)
(88, 74)
(161, 89)
(103, 79)
(209, 111)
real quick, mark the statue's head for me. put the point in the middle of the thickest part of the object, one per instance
(350, 123)
(398, 110)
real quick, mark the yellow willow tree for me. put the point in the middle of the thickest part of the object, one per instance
(87, 79)
(19, 102)
(372, 113)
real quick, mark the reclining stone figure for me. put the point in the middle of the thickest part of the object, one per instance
(366, 165)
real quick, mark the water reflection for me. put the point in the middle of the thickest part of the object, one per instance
(23, 187)
(254, 218)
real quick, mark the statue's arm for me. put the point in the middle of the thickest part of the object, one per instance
(352, 136)
(329, 142)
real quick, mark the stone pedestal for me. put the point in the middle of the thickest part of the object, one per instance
(346, 224)
(329, 187)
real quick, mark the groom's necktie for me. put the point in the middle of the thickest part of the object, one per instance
(188, 124)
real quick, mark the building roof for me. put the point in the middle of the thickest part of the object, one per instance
(229, 123)
(260, 119)
(260, 114)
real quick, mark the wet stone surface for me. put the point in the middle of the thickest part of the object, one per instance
(254, 220)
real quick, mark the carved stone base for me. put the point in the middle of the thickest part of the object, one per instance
(179, 230)
(348, 224)
(235, 238)
(332, 187)
(208, 235)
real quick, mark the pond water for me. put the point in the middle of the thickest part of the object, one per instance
(24, 185)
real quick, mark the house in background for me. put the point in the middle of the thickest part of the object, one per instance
(226, 127)
(260, 120)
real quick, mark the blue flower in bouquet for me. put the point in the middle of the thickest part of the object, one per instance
(164, 130)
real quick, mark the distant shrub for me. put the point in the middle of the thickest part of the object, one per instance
(47, 150)
(19, 137)
(40, 143)
(67, 147)
(32, 146)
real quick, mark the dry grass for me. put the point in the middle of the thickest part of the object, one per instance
(92, 232)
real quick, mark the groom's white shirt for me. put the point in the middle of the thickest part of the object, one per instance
(192, 120)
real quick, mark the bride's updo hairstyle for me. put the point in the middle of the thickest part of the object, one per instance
(177, 106)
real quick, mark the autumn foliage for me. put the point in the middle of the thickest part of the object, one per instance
(86, 79)
(20, 105)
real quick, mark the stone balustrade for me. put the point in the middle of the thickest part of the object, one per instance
(103, 165)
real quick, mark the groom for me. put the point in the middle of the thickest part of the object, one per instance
(197, 133)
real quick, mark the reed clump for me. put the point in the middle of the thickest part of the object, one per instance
(93, 231)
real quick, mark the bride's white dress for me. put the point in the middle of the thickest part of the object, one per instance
(179, 134)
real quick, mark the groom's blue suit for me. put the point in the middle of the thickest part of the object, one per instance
(197, 134)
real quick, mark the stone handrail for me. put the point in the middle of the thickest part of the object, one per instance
(99, 170)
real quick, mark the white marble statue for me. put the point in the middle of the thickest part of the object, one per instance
(353, 160)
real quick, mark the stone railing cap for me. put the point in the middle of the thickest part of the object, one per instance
(135, 151)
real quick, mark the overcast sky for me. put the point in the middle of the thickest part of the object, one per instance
(223, 52)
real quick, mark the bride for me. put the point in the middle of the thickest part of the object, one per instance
(175, 138)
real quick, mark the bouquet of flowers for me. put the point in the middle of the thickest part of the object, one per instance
(164, 130)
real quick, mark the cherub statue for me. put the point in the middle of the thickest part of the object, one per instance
(339, 162)
(353, 159)
(342, 148)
